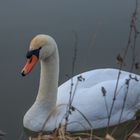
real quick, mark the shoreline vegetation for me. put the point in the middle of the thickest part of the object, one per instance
(125, 131)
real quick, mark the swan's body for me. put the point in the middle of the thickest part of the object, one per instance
(88, 97)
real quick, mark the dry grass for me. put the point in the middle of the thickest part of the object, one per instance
(127, 131)
(60, 134)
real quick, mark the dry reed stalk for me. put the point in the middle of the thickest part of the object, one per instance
(131, 43)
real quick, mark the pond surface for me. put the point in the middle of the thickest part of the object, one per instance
(101, 27)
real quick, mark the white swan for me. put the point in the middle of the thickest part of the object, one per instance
(88, 97)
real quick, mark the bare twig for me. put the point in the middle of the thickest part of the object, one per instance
(131, 43)
(132, 131)
(68, 110)
(75, 53)
(135, 35)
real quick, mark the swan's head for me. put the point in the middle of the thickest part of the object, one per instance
(41, 47)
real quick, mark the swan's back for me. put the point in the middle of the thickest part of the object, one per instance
(94, 77)
(89, 79)
(89, 99)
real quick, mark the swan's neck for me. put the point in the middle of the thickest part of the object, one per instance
(47, 93)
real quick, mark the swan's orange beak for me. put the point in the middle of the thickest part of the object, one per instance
(29, 65)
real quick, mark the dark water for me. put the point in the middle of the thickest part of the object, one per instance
(101, 26)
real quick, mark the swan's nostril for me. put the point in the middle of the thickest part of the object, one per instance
(23, 74)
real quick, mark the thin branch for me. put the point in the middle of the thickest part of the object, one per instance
(132, 131)
(121, 59)
(86, 121)
(68, 110)
(75, 53)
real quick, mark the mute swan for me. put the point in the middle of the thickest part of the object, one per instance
(88, 97)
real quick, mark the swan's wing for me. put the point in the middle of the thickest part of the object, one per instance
(93, 77)
(87, 80)
(91, 102)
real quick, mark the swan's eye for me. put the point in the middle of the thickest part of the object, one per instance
(33, 52)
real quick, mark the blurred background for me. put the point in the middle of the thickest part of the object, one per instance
(101, 27)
